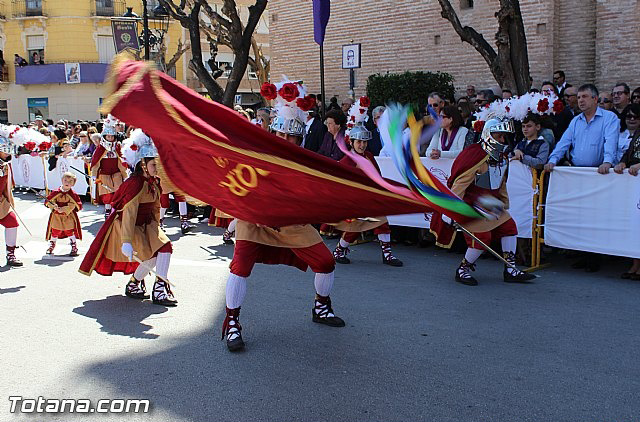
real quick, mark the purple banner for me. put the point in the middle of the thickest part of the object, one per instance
(321, 14)
(55, 73)
(125, 34)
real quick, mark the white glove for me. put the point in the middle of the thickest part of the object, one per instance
(127, 250)
(446, 219)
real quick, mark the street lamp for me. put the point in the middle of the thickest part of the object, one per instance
(160, 25)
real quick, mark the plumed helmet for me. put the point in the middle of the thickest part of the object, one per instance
(491, 145)
(109, 126)
(360, 133)
(137, 147)
(289, 125)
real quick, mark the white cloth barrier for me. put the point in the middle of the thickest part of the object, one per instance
(29, 171)
(588, 211)
(519, 186)
(520, 189)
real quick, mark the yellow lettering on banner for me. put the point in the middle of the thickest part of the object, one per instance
(242, 179)
(221, 162)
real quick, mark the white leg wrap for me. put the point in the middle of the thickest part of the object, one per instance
(324, 283)
(107, 207)
(72, 239)
(11, 236)
(236, 290)
(182, 207)
(162, 264)
(163, 211)
(143, 269)
(509, 244)
(384, 237)
(53, 239)
(232, 225)
(472, 255)
(343, 243)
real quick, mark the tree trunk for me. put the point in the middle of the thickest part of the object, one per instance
(237, 74)
(510, 64)
(195, 64)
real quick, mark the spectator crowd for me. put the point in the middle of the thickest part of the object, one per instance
(597, 128)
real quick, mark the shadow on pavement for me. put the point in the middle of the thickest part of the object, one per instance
(11, 289)
(120, 315)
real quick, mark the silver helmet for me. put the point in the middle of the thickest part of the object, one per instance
(137, 147)
(360, 133)
(293, 126)
(7, 146)
(491, 145)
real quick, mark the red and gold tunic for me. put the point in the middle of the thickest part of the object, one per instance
(472, 161)
(108, 168)
(64, 222)
(135, 220)
(6, 187)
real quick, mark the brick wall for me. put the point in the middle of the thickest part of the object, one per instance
(399, 35)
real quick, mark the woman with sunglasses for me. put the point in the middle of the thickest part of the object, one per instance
(631, 160)
(629, 125)
(448, 141)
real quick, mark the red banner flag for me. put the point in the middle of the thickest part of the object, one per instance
(216, 156)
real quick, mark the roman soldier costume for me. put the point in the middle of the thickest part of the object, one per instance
(133, 228)
(219, 218)
(106, 165)
(299, 246)
(352, 228)
(8, 218)
(63, 221)
(479, 176)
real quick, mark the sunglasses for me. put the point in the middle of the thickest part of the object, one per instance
(570, 95)
(604, 101)
(631, 117)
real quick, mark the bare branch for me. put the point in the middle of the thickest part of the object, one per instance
(182, 48)
(468, 34)
(213, 15)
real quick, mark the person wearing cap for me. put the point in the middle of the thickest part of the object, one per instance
(131, 240)
(8, 218)
(298, 245)
(357, 138)
(479, 177)
(107, 167)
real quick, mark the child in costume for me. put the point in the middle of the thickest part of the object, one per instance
(106, 165)
(133, 228)
(63, 221)
(358, 137)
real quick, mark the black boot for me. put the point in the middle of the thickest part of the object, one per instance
(322, 312)
(162, 294)
(463, 273)
(136, 289)
(226, 237)
(12, 261)
(340, 255)
(512, 275)
(74, 249)
(232, 329)
(185, 227)
(387, 256)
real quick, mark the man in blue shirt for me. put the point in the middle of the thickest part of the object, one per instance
(592, 136)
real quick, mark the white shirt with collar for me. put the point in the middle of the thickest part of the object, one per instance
(306, 130)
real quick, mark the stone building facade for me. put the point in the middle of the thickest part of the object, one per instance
(591, 40)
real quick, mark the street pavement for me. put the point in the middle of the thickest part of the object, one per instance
(417, 346)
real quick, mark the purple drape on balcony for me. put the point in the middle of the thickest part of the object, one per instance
(54, 73)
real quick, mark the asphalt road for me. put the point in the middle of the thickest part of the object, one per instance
(417, 346)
